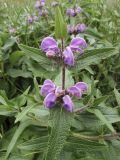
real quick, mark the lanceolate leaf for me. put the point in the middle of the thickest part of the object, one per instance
(15, 137)
(102, 118)
(36, 55)
(60, 25)
(60, 121)
(93, 56)
(117, 95)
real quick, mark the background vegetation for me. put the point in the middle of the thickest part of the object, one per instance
(25, 125)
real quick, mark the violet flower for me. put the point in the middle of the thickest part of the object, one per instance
(43, 12)
(68, 56)
(67, 103)
(29, 19)
(75, 91)
(78, 45)
(50, 47)
(39, 4)
(53, 94)
(70, 29)
(80, 28)
(50, 100)
(47, 88)
(78, 10)
(82, 86)
(72, 12)
(49, 44)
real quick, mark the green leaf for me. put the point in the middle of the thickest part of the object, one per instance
(37, 90)
(36, 55)
(9, 43)
(15, 56)
(15, 137)
(18, 73)
(117, 95)
(43, 62)
(76, 142)
(60, 25)
(99, 114)
(99, 100)
(60, 120)
(22, 114)
(39, 144)
(93, 56)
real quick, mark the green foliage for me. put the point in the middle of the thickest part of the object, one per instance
(60, 123)
(60, 25)
(29, 131)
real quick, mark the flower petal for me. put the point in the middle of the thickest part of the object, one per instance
(48, 81)
(75, 91)
(59, 91)
(49, 43)
(77, 44)
(71, 12)
(50, 53)
(80, 28)
(68, 56)
(46, 89)
(50, 100)
(68, 104)
(82, 86)
(78, 10)
(70, 29)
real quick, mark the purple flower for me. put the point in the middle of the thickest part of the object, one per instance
(78, 10)
(68, 56)
(80, 28)
(39, 4)
(30, 19)
(49, 44)
(43, 12)
(50, 53)
(71, 12)
(78, 44)
(59, 91)
(82, 86)
(70, 29)
(67, 103)
(50, 100)
(74, 91)
(47, 88)
(48, 81)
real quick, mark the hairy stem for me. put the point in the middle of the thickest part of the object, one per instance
(63, 66)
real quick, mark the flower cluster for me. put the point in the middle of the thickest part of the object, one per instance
(79, 28)
(31, 19)
(39, 5)
(50, 47)
(72, 12)
(54, 94)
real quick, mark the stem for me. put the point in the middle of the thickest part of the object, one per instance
(63, 65)
(95, 138)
